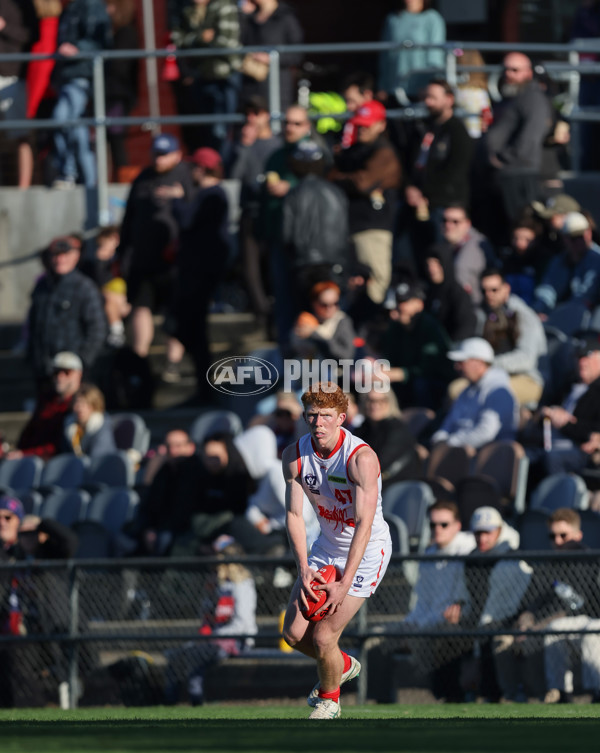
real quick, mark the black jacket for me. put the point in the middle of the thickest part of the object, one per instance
(67, 313)
(20, 32)
(84, 23)
(395, 447)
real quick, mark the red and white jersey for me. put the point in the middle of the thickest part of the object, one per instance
(332, 491)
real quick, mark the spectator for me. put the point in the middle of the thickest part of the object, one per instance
(329, 334)
(121, 80)
(524, 261)
(470, 249)
(446, 299)
(270, 24)
(515, 140)
(388, 435)
(357, 89)
(84, 26)
(201, 263)
(285, 420)
(148, 235)
(43, 433)
(40, 71)
(257, 144)
(472, 96)
(415, 345)
(516, 335)
(435, 591)
(66, 313)
(573, 595)
(315, 223)
(553, 215)
(574, 274)
(208, 85)
(10, 520)
(18, 32)
(486, 411)
(369, 172)
(491, 593)
(88, 431)
(438, 162)
(575, 424)
(46, 539)
(409, 69)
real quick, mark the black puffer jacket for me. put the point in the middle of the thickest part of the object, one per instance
(84, 23)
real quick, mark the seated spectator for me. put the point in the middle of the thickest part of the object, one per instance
(446, 299)
(384, 430)
(486, 410)
(329, 334)
(574, 274)
(88, 431)
(43, 433)
(470, 249)
(11, 515)
(520, 659)
(516, 335)
(524, 261)
(574, 426)
(553, 215)
(46, 539)
(104, 270)
(573, 594)
(416, 345)
(435, 592)
(489, 596)
(354, 416)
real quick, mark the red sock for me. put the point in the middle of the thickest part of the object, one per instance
(334, 695)
(347, 662)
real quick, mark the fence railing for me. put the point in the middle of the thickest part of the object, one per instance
(70, 624)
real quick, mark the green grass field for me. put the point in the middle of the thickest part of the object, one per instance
(470, 728)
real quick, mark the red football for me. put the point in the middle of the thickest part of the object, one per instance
(314, 613)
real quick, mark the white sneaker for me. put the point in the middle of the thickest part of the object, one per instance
(354, 671)
(326, 709)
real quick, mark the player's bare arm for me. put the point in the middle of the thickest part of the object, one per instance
(363, 469)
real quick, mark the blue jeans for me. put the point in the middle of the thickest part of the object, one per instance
(72, 145)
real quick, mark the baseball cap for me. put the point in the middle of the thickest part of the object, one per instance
(67, 360)
(486, 519)
(165, 143)
(407, 290)
(562, 203)
(473, 347)
(207, 158)
(369, 113)
(575, 224)
(586, 342)
(13, 505)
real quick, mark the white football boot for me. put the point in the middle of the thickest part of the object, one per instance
(325, 708)
(353, 672)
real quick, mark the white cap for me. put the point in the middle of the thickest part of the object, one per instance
(575, 224)
(473, 347)
(486, 519)
(67, 360)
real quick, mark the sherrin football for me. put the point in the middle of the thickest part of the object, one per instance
(314, 612)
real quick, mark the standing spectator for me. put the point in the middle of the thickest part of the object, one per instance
(357, 89)
(369, 172)
(257, 144)
(515, 140)
(88, 431)
(84, 26)
(409, 69)
(201, 263)
(486, 411)
(40, 71)
(438, 162)
(416, 345)
(18, 31)
(43, 433)
(148, 236)
(272, 23)
(573, 275)
(67, 311)
(446, 299)
(472, 96)
(208, 85)
(516, 334)
(121, 79)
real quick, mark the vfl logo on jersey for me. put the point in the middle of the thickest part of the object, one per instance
(311, 481)
(337, 479)
(359, 579)
(338, 516)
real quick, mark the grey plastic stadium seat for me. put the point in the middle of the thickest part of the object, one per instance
(112, 470)
(21, 473)
(533, 531)
(130, 432)
(67, 506)
(258, 448)
(65, 471)
(410, 500)
(213, 422)
(507, 463)
(560, 490)
(112, 508)
(451, 463)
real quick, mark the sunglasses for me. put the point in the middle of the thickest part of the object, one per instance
(489, 290)
(561, 536)
(443, 524)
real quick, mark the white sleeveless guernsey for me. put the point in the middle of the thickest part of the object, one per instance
(331, 492)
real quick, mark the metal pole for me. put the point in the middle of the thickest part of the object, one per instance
(574, 83)
(73, 632)
(151, 65)
(274, 91)
(451, 68)
(101, 148)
